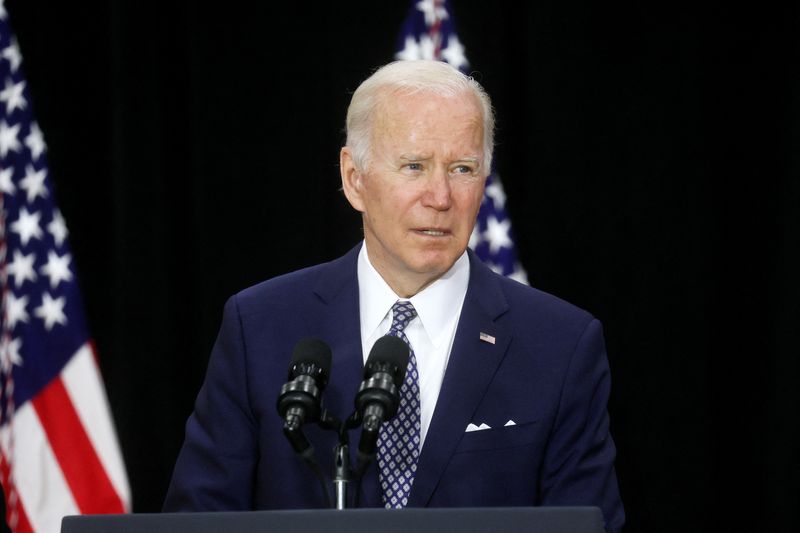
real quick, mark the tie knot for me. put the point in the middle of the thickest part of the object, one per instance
(402, 314)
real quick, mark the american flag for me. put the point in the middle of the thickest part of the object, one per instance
(428, 32)
(59, 453)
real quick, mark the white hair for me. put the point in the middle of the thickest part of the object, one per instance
(409, 77)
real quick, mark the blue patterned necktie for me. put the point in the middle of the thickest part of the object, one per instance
(399, 438)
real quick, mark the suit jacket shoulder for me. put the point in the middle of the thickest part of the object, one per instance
(325, 280)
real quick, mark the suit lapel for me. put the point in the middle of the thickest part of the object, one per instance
(470, 369)
(335, 318)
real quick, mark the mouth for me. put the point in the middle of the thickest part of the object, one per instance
(430, 232)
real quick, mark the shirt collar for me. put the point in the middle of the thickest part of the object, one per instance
(437, 305)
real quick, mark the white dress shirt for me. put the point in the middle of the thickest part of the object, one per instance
(431, 333)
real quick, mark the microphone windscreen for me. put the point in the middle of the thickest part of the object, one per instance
(390, 352)
(312, 351)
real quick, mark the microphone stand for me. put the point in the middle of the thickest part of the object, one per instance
(343, 474)
(341, 471)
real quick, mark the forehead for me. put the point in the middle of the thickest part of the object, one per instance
(421, 115)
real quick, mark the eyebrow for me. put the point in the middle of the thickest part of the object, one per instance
(414, 157)
(470, 159)
(420, 157)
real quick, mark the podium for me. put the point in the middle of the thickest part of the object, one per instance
(440, 520)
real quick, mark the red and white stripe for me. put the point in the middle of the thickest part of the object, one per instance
(65, 458)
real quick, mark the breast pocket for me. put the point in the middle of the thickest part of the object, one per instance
(491, 467)
(500, 438)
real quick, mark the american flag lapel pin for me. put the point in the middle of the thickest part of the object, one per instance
(485, 337)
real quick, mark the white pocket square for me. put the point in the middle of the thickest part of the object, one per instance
(510, 423)
(473, 427)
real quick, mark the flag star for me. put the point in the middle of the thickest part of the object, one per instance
(8, 138)
(519, 274)
(410, 50)
(21, 267)
(51, 311)
(27, 226)
(475, 237)
(57, 268)
(12, 96)
(58, 227)
(495, 191)
(11, 53)
(427, 48)
(495, 267)
(9, 353)
(454, 53)
(6, 185)
(497, 234)
(33, 182)
(16, 310)
(35, 141)
(432, 11)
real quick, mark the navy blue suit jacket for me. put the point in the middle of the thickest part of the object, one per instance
(547, 371)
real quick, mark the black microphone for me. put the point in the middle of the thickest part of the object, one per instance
(378, 396)
(300, 398)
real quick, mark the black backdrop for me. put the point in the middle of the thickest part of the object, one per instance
(650, 155)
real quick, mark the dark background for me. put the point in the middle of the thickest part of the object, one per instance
(650, 156)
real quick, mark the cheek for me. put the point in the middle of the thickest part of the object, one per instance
(397, 203)
(387, 211)
(469, 200)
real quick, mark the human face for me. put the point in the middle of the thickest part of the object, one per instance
(422, 190)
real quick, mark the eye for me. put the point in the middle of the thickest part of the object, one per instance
(464, 170)
(416, 167)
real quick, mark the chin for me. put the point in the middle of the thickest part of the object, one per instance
(437, 265)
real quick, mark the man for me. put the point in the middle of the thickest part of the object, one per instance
(507, 387)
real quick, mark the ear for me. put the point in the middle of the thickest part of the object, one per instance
(351, 179)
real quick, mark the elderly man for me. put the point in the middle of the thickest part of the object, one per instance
(505, 396)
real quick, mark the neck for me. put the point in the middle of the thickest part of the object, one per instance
(404, 284)
(407, 288)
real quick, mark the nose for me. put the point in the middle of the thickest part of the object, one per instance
(438, 193)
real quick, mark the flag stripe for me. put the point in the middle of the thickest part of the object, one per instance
(43, 491)
(84, 384)
(23, 525)
(90, 485)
